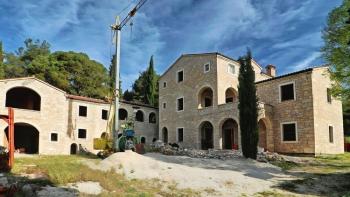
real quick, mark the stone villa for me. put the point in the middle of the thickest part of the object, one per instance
(198, 108)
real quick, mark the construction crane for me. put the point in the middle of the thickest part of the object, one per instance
(117, 27)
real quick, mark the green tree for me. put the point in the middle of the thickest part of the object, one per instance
(248, 111)
(128, 95)
(111, 72)
(150, 84)
(336, 50)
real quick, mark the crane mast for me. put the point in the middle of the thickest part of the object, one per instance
(117, 27)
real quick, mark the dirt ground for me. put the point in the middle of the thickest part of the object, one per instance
(233, 177)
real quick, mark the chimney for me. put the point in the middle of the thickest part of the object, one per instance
(271, 70)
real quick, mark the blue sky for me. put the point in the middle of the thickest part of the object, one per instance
(286, 33)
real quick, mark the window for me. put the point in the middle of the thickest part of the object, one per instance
(287, 92)
(180, 104)
(139, 116)
(82, 133)
(231, 69)
(164, 105)
(152, 118)
(206, 67)
(164, 84)
(180, 134)
(54, 137)
(330, 131)
(329, 95)
(83, 111)
(143, 140)
(104, 114)
(180, 76)
(123, 114)
(289, 133)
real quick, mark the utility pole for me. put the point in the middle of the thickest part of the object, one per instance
(117, 27)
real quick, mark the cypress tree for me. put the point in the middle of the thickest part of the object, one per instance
(150, 84)
(248, 110)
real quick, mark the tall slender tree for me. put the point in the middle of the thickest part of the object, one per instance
(2, 71)
(150, 84)
(248, 110)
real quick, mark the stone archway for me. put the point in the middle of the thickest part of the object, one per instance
(206, 135)
(262, 134)
(73, 149)
(23, 98)
(205, 97)
(26, 138)
(229, 131)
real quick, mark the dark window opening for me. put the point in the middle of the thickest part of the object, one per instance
(180, 134)
(54, 137)
(82, 133)
(164, 105)
(23, 98)
(152, 118)
(329, 95)
(180, 76)
(139, 116)
(83, 111)
(123, 114)
(180, 104)
(165, 135)
(330, 129)
(289, 132)
(229, 100)
(287, 92)
(104, 114)
(164, 85)
(207, 102)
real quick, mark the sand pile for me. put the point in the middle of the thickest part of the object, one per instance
(227, 177)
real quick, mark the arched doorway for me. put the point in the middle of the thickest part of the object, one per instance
(139, 116)
(205, 98)
(206, 135)
(26, 138)
(143, 140)
(230, 134)
(262, 134)
(152, 118)
(165, 135)
(73, 149)
(23, 98)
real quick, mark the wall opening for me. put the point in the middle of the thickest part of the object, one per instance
(165, 135)
(262, 134)
(143, 140)
(230, 95)
(139, 116)
(206, 135)
(230, 134)
(123, 114)
(73, 149)
(152, 118)
(26, 138)
(205, 98)
(23, 98)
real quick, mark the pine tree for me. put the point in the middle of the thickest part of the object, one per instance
(248, 111)
(150, 84)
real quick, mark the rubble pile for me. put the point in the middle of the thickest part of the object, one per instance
(269, 156)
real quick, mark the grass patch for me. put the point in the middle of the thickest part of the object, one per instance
(272, 194)
(347, 139)
(284, 165)
(61, 170)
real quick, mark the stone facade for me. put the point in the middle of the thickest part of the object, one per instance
(210, 110)
(59, 115)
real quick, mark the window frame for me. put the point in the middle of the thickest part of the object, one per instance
(296, 132)
(86, 134)
(106, 114)
(50, 137)
(165, 84)
(177, 104)
(329, 96)
(177, 76)
(280, 91)
(329, 136)
(228, 68)
(204, 67)
(86, 112)
(177, 134)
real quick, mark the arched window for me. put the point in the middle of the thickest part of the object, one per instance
(139, 116)
(205, 98)
(152, 118)
(123, 114)
(143, 140)
(230, 95)
(23, 98)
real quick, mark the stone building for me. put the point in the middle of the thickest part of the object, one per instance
(50, 121)
(198, 107)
